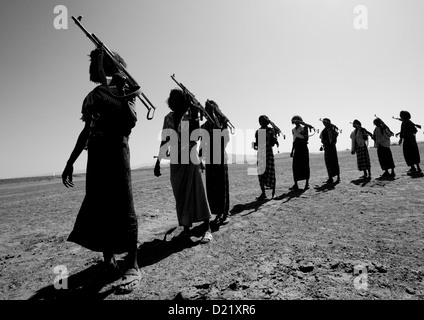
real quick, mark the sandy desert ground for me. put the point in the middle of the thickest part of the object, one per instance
(302, 245)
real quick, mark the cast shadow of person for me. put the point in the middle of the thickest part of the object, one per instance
(251, 206)
(89, 285)
(326, 187)
(416, 175)
(385, 178)
(156, 250)
(361, 182)
(290, 195)
(84, 285)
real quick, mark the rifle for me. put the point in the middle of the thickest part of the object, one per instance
(194, 102)
(369, 133)
(332, 126)
(219, 112)
(276, 129)
(310, 127)
(417, 125)
(131, 81)
(385, 125)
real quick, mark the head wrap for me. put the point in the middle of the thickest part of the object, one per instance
(296, 118)
(357, 122)
(405, 114)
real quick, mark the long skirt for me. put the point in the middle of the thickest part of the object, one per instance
(266, 168)
(331, 161)
(189, 192)
(301, 170)
(217, 188)
(385, 158)
(363, 158)
(107, 221)
(411, 152)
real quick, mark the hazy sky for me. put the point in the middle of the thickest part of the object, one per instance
(272, 57)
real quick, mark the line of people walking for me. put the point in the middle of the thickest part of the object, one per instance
(107, 222)
(328, 136)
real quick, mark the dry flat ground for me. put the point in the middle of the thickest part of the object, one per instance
(302, 245)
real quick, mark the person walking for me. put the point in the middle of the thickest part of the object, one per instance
(359, 138)
(186, 179)
(106, 221)
(216, 167)
(328, 138)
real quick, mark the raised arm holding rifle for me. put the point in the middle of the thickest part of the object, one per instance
(194, 102)
(132, 86)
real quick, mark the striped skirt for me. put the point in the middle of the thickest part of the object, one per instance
(266, 168)
(363, 158)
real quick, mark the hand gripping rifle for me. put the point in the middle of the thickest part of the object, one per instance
(131, 81)
(194, 102)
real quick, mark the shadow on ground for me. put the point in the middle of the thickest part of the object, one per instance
(326, 187)
(91, 284)
(252, 206)
(290, 195)
(361, 181)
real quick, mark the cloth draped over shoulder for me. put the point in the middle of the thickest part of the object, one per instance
(186, 179)
(328, 136)
(106, 221)
(382, 137)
